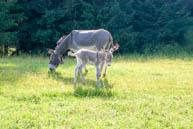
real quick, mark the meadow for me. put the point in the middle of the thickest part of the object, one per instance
(138, 92)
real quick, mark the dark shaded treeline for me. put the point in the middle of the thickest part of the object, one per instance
(142, 26)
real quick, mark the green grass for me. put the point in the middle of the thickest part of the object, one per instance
(138, 92)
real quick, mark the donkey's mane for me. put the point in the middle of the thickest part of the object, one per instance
(61, 39)
(62, 44)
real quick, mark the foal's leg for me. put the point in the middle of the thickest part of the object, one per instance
(86, 70)
(105, 71)
(75, 74)
(80, 70)
(97, 76)
(100, 69)
(76, 70)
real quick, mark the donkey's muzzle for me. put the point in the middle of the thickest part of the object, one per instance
(51, 67)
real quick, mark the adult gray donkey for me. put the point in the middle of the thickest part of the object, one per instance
(90, 39)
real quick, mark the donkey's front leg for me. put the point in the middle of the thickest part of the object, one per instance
(98, 75)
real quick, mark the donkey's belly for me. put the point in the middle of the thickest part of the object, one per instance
(75, 48)
(91, 47)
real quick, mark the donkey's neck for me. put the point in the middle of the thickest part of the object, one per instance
(63, 46)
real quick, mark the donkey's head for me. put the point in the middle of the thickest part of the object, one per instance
(109, 54)
(55, 60)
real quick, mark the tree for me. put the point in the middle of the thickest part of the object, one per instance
(7, 24)
(139, 25)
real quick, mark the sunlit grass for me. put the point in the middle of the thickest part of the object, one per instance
(138, 92)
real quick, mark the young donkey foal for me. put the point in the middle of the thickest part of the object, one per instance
(98, 59)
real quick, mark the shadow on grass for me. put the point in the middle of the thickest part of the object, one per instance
(69, 80)
(90, 89)
(93, 92)
(58, 76)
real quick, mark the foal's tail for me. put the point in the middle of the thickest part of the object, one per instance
(70, 53)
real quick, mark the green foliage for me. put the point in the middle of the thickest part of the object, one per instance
(7, 22)
(139, 25)
(188, 39)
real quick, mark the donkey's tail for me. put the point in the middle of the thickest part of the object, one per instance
(110, 44)
(70, 53)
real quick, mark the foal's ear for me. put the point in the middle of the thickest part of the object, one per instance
(50, 51)
(116, 47)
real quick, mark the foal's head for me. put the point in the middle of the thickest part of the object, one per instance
(109, 54)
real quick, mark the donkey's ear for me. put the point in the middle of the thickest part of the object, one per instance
(50, 51)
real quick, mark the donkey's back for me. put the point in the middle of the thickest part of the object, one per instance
(100, 39)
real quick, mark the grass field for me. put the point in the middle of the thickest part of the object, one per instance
(138, 92)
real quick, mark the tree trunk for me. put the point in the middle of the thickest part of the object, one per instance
(6, 50)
